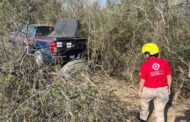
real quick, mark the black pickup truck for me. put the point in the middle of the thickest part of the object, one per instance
(61, 46)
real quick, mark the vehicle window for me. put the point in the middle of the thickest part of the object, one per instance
(43, 31)
(30, 31)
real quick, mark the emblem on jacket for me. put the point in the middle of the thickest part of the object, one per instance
(156, 66)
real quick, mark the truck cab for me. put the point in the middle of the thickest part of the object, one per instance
(28, 31)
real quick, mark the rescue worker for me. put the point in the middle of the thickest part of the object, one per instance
(155, 83)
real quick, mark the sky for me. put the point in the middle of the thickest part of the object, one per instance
(102, 2)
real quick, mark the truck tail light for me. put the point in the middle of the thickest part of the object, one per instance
(53, 48)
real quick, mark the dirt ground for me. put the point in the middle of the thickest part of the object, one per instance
(126, 95)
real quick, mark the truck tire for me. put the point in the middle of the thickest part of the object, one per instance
(39, 58)
(70, 69)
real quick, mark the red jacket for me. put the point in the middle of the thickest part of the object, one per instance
(154, 71)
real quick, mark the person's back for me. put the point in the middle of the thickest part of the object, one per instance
(155, 72)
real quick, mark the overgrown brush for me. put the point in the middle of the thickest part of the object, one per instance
(117, 33)
(29, 93)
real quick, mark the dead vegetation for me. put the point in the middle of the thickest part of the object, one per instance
(32, 94)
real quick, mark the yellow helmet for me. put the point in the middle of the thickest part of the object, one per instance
(151, 48)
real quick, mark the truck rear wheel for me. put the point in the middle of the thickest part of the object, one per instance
(39, 58)
(70, 69)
